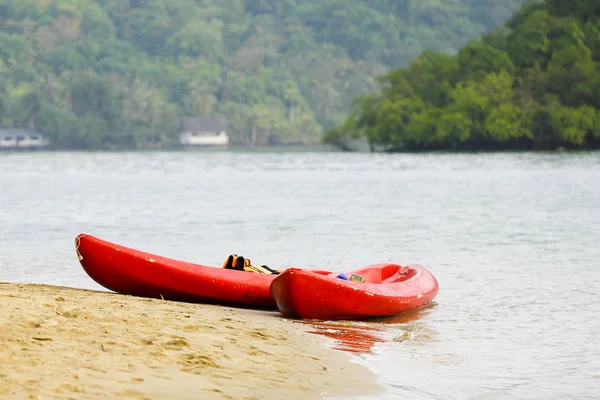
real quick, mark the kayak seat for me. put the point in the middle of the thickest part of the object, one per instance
(385, 273)
(239, 263)
(396, 273)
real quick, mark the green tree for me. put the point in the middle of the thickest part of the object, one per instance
(533, 83)
(573, 124)
(59, 125)
(281, 71)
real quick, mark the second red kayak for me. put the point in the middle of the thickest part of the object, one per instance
(134, 272)
(375, 291)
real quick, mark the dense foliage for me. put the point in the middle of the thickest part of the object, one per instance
(534, 83)
(122, 72)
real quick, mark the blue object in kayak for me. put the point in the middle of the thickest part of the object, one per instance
(343, 276)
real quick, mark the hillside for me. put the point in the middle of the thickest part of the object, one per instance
(533, 84)
(91, 74)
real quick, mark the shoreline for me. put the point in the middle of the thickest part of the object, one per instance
(316, 148)
(61, 342)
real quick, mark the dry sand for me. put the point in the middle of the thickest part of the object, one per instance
(63, 343)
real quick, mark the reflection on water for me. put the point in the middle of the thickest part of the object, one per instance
(353, 339)
(360, 336)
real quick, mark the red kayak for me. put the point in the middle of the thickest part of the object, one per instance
(128, 271)
(385, 290)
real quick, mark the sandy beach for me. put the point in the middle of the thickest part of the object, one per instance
(63, 343)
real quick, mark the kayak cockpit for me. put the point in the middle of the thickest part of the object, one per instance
(386, 273)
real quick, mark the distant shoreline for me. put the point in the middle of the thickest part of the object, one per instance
(297, 149)
(208, 149)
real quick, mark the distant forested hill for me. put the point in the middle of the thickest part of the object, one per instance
(122, 72)
(534, 83)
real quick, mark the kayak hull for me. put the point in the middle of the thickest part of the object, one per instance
(133, 272)
(389, 289)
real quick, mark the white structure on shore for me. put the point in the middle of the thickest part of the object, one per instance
(204, 131)
(18, 138)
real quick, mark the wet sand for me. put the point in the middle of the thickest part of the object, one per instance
(63, 343)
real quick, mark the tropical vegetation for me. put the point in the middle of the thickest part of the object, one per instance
(532, 83)
(121, 73)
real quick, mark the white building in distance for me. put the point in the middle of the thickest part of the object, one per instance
(18, 138)
(204, 131)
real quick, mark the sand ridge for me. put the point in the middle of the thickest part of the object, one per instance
(63, 343)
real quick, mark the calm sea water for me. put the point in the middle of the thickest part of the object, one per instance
(514, 241)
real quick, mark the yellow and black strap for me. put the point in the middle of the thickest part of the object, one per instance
(240, 263)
